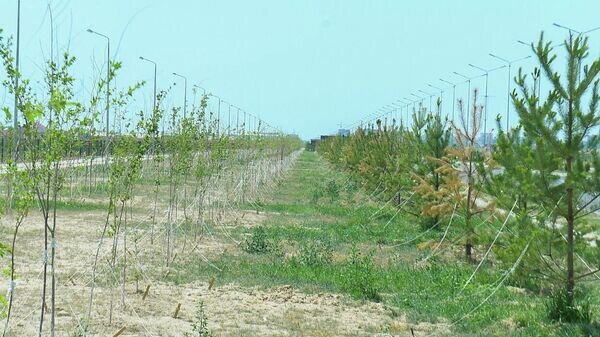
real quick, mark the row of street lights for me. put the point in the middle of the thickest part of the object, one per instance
(257, 121)
(508, 63)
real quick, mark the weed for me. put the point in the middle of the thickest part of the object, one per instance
(359, 277)
(332, 190)
(200, 327)
(560, 311)
(259, 243)
(317, 194)
(316, 253)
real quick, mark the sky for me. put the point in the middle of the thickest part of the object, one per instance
(305, 67)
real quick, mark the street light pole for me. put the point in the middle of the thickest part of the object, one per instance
(430, 97)
(199, 87)
(184, 94)
(218, 114)
(573, 30)
(441, 97)
(228, 118)
(453, 96)
(414, 103)
(107, 82)
(237, 122)
(509, 63)
(486, 73)
(420, 99)
(539, 80)
(468, 97)
(154, 96)
(578, 34)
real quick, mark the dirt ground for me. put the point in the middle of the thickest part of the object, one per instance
(232, 310)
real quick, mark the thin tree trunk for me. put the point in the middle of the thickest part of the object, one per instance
(570, 215)
(12, 275)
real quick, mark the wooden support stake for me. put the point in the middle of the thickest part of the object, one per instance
(120, 332)
(146, 292)
(177, 310)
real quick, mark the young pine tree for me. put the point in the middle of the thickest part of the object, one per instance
(458, 190)
(434, 146)
(562, 134)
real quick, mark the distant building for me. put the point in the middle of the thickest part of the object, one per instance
(344, 132)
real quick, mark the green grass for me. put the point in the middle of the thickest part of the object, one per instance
(71, 205)
(430, 293)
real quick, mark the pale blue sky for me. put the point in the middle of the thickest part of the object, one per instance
(304, 66)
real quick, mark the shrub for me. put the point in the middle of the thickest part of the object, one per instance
(359, 277)
(259, 243)
(332, 190)
(316, 253)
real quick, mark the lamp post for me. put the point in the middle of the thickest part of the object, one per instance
(579, 33)
(107, 80)
(201, 88)
(430, 97)
(397, 106)
(573, 30)
(403, 104)
(218, 114)
(419, 99)
(509, 63)
(228, 118)
(154, 95)
(184, 94)
(441, 96)
(486, 73)
(389, 110)
(414, 103)
(468, 95)
(453, 96)
(237, 122)
(203, 92)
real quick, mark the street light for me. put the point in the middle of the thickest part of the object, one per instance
(203, 93)
(154, 96)
(397, 106)
(237, 121)
(420, 99)
(486, 73)
(414, 103)
(218, 114)
(441, 96)
(453, 95)
(430, 97)
(579, 34)
(184, 94)
(468, 95)
(539, 84)
(509, 63)
(573, 30)
(228, 118)
(402, 105)
(201, 88)
(107, 80)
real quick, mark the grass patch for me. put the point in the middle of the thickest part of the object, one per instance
(339, 243)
